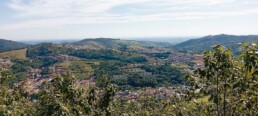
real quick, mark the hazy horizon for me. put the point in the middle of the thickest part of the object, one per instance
(58, 19)
(171, 40)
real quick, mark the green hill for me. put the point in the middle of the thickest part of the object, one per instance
(206, 43)
(109, 43)
(7, 45)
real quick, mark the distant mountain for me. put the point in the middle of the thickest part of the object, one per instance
(206, 43)
(7, 45)
(109, 43)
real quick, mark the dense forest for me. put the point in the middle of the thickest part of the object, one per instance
(226, 85)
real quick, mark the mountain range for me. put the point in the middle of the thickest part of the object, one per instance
(193, 45)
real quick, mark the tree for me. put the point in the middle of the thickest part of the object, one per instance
(218, 70)
(62, 96)
(105, 103)
(13, 101)
(246, 85)
(103, 80)
(231, 82)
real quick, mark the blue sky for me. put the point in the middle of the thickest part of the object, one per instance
(64, 19)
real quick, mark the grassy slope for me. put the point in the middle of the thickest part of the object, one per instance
(15, 54)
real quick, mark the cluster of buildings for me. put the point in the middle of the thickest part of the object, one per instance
(87, 83)
(160, 93)
(65, 57)
(37, 73)
(33, 85)
(180, 57)
(5, 63)
(147, 50)
(34, 73)
(82, 47)
(53, 70)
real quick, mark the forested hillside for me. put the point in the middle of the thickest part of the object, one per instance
(230, 41)
(7, 45)
(109, 43)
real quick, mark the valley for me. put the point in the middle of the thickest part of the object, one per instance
(137, 69)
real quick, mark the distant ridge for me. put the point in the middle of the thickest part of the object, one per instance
(111, 43)
(7, 45)
(206, 43)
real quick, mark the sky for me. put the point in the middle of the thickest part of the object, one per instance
(68, 19)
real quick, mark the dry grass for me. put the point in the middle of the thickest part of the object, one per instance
(15, 54)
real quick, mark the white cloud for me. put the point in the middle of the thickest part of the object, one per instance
(48, 13)
(58, 8)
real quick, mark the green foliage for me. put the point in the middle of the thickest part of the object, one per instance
(165, 73)
(45, 71)
(46, 49)
(20, 66)
(140, 81)
(106, 100)
(103, 80)
(120, 81)
(230, 81)
(5, 76)
(46, 62)
(12, 102)
(157, 75)
(62, 96)
(109, 55)
(111, 67)
(218, 71)
(160, 55)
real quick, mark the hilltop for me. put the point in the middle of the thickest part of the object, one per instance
(110, 43)
(206, 43)
(7, 45)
